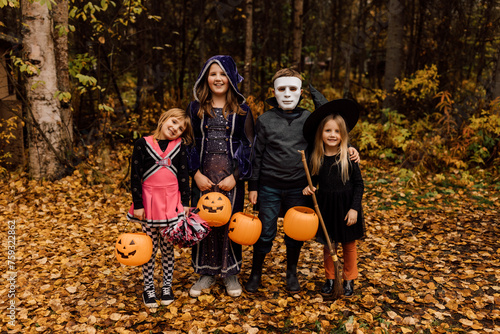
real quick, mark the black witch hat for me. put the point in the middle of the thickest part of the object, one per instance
(348, 109)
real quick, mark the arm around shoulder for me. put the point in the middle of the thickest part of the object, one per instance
(354, 154)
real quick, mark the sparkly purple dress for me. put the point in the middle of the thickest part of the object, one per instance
(217, 254)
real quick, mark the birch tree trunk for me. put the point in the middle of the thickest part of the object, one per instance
(394, 52)
(45, 129)
(298, 13)
(247, 70)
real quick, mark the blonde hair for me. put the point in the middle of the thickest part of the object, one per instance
(318, 153)
(187, 135)
(205, 97)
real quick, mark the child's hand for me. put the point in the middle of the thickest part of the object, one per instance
(203, 182)
(186, 210)
(351, 217)
(354, 154)
(227, 183)
(307, 191)
(139, 214)
(252, 196)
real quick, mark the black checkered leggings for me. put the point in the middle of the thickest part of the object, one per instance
(167, 258)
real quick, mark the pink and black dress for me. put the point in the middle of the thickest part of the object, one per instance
(159, 181)
(160, 185)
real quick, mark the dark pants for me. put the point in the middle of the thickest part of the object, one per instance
(270, 202)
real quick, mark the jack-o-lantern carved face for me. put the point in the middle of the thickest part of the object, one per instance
(133, 249)
(215, 208)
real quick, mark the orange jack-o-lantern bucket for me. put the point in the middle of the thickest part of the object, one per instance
(300, 223)
(215, 209)
(244, 228)
(133, 249)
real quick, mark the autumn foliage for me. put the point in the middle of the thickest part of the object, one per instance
(430, 262)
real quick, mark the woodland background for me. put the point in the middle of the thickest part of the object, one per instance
(84, 79)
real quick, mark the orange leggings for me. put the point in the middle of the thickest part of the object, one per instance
(350, 270)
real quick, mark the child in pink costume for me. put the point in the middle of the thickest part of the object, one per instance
(161, 193)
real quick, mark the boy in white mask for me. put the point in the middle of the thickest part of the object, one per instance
(278, 175)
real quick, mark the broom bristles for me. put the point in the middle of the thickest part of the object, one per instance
(338, 289)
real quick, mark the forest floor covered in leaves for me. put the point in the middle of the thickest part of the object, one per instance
(430, 263)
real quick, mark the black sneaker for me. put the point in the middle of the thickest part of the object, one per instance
(149, 298)
(167, 296)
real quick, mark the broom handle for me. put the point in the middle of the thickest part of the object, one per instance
(333, 253)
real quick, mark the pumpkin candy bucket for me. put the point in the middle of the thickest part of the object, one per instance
(244, 228)
(300, 223)
(133, 249)
(215, 209)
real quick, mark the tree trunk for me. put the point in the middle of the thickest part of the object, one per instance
(183, 56)
(360, 43)
(203, 47)
(496, 86)
(347, 51)
(247, 70)
(60, 16)
(159, 71)
(346, 91)
(394, 52)
(139, 57)
(335, 39)
(47, 136)
(298, 12)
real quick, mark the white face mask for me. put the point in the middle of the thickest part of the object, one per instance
(287, 91)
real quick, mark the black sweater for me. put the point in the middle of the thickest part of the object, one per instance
(277, 162)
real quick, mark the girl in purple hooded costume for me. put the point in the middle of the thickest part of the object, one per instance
(220, 161)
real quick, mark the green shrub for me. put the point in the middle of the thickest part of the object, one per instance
(432, 139)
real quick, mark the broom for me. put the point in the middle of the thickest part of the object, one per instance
(337, 287)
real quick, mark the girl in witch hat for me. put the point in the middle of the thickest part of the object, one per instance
(340, 185)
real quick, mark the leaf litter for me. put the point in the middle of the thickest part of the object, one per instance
(430, 264)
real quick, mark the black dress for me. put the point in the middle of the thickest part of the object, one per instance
(335, 199)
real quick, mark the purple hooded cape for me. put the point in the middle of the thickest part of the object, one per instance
(240, 135)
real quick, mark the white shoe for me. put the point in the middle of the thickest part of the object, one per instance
(233, 287)
(204, 282)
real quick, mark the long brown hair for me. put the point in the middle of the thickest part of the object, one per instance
(187, 136)
(205, 97)
(318, 153)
